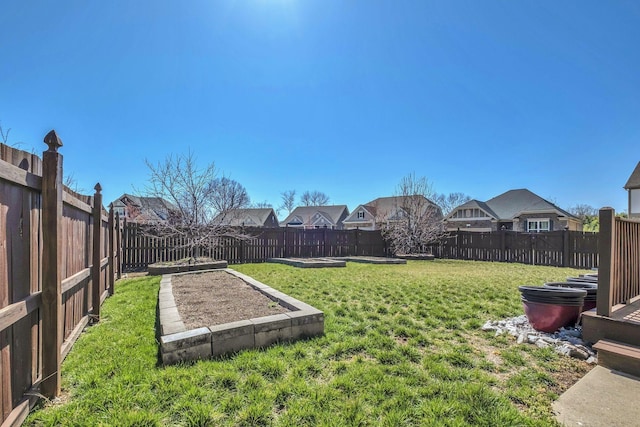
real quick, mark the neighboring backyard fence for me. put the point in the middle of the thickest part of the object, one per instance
(57, 265)
(141, 248)
(619, 272)
(555, 248)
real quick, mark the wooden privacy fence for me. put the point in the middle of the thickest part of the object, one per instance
(141, 248)
(619, 272)
(57, 264)
(555, 248)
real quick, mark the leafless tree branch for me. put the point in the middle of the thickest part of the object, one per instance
(199, 203)
(415, 221)
(314, 198)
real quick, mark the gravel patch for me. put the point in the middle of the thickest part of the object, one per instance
(566, 341)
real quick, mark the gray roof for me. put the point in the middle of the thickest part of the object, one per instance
(634, 179)
(247, 217)
(384, 206)
(333, 213)
(151, 208)
(390, 204)
(512, 203)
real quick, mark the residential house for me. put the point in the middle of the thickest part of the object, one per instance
(369, 215)
(517, 210)
(142, 209)
(250, 217)
(633, 187)
(309, 217)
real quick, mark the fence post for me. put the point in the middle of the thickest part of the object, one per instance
(565, 247)
(111, 249)
(324, 242)
(120, 230)
(284, 242)
(52, 320)
(606, 250)
(95, 268)
(357, 240)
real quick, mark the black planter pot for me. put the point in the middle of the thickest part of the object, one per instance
(591, 288)
(549, 309)
(553, 295)
(583, 279)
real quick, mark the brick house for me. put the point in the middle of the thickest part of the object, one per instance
(310, 217)
(143, 209)
(250, 217)
(517, 210)
(369, 215)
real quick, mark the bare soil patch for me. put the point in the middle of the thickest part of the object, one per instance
(217, 297)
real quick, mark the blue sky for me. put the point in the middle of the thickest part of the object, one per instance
(344, 97)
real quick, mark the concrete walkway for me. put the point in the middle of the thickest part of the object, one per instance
(602, 398)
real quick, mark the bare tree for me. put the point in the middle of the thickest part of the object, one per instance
(314, 198)
(71, 182)
(588, 215)
(288, 200)
(195, 198)
(4, 139)
(583, 211)
(263, 204)
(4, 135)
(449, 202)
(228, 195)
(415, 221)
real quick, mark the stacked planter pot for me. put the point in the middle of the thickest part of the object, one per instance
(590, 287)
(549, 309)
(587, 278)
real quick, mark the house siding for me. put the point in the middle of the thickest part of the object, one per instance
(473, 224)
(557, 223)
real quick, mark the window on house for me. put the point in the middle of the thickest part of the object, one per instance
(537, 225)
(469, 213)
(361, 215)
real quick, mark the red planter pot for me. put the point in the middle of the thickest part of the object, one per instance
(550, 308)
(551, 317)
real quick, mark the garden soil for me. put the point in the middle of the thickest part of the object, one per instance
(217, 297)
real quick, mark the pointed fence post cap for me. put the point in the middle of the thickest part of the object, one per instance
(53, 141)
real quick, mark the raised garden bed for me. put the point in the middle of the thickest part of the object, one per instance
(202, 335)
(373, 260)
(419, 257)
(161, 268)
(310, 262)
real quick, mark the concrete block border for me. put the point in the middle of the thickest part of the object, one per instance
(177, 344)
(310, 262)
(373, 260)
(417, 257)
(162, 268)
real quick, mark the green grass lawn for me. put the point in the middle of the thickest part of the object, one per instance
(402, 347)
